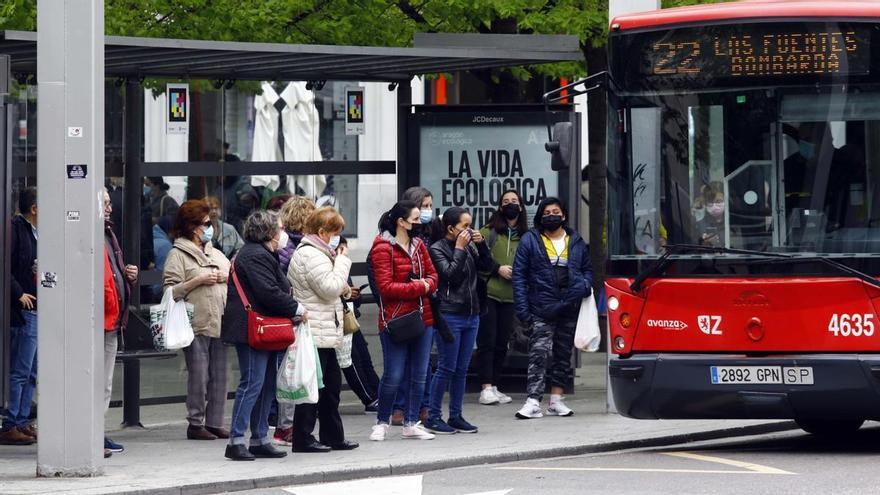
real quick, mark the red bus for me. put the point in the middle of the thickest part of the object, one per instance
(744, 212)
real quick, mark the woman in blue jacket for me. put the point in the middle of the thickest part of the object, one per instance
(551, 275)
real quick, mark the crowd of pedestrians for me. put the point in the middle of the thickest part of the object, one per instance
(439, 283)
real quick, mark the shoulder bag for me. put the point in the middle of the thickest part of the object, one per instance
(265, 333)
(405, 328)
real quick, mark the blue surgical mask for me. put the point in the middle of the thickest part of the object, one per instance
(807, 149)
(426, 215)
(208, 234)
(147, 190)
(334, 242)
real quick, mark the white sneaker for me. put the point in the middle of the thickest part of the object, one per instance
(488, 397)
(531, 409)
(502, 398)
(416, 432)
(558, 408)
(379, 432)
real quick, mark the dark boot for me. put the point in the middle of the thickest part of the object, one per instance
(218, 432)
(266, 451)
(199, 433)
(239, 453)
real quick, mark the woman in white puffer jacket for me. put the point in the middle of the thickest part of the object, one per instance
(318, 273)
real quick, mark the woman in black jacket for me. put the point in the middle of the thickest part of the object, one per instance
(458, 259)
(267, 290)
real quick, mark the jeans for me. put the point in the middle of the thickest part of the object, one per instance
(402, 398)
(492, 340)
(22, 372)
(397, 359)
(254, 395)
(453, 361)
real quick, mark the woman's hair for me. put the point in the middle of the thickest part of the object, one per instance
(711, 190)
(212, 201)
(401, 209)
(498, 222)
(452, 217)
(277, 202)
(295, 212)
(159, 182)
(326, 218)
(544, 204)
(416, 194)
(190, 215)
(261, 226)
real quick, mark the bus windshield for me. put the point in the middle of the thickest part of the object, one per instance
(742, 160)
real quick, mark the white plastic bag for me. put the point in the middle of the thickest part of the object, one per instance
(299, 378)
(587, 335)
(170, 323)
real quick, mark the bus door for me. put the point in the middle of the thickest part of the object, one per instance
(830, 163)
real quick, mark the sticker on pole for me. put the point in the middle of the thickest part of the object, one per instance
(75, 132)
(49, 280)
(73, 216)
(354, 111)
(177, 108)
(77, 171)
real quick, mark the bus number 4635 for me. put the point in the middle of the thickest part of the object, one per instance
(851, 324)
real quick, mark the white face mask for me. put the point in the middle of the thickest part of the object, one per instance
(283, 239)
(334, 241)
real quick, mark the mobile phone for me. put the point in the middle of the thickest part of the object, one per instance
(361, 288)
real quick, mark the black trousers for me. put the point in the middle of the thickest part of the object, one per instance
(492, 340)
(326, 410)
(361, 376)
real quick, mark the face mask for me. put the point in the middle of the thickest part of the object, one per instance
(426, 215)
(715, 209)
(208, 234)
(283, 239)
(510, 211)
(807, 149)
(147, 190)
(334, 242)
(551, 222)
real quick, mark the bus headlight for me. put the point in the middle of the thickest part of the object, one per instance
(613, 303)
(619, 342)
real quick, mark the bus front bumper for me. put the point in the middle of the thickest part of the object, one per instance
(680, 386)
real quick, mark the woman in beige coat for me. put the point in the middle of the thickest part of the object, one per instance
(318, 273)
(197, 273)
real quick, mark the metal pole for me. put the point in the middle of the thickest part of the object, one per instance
(70, 174)
(404, 104)
(6, 212)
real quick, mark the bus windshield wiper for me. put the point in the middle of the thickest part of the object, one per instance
(666, 259)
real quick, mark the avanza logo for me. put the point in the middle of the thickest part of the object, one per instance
(667, 324)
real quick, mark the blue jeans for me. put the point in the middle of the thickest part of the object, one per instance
(22, 372)
(254, 395)
(402, 398)
(397, 358)
(453, 361)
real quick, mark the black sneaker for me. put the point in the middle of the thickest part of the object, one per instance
(372, 407)
(112, 446)
(460, 425)
(438, 426)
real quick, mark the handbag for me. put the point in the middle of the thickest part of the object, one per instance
(405, 328)
(265, 333)
(350, 323)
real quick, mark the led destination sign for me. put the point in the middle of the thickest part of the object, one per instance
(758, 51)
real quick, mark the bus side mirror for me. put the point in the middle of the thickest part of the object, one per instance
(561, 147)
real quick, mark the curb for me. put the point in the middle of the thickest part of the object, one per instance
(380, 470)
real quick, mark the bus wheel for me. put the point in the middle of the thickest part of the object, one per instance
(829, 426)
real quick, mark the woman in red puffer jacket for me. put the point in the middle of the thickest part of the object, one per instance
(402, 277)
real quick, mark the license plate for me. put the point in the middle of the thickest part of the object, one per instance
(761, 375)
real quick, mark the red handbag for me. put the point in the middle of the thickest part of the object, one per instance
(265, 333)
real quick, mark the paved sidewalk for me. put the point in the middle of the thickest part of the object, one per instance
(159, 460)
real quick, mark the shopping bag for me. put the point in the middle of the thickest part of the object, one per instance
(299, 378)
(587, 335)
(161, 322)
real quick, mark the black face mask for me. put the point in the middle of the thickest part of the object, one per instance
(510, 211)
(551, 222)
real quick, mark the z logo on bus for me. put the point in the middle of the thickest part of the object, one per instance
(709, 324)
(851, 325)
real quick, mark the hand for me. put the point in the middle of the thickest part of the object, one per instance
(209, 278)
(304, 316)
(463, 239)
(222, 277)
(27, 301)
(355, 294)
(342, 250)
(131, 273)
(505, 272)
(478, 236)
(427, 285)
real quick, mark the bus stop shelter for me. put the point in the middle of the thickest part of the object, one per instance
(132, 60)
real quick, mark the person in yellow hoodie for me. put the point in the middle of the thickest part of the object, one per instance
(502, 233)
